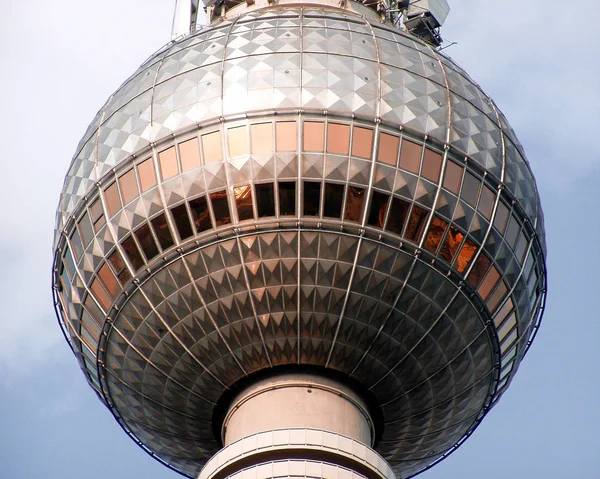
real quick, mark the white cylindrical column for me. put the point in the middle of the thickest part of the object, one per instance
(298, 401)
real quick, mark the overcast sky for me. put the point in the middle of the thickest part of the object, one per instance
(61, 59)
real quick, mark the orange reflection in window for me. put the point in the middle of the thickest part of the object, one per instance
(237, 141)
(451, 244)
(490, 280)
(132, 252)
(189, 153)
(432, 165)
(435, 234)
(362, 142)
(108, 279)
(388, 149)
(495, 298)
(355, 199)
(479, 269)
(167, 160)
(200, 213)
(113, 202)
(465, 256)
(101, 295)
(338, 138)
(220, 207)
(128, 185)
(416, 224)
(119, 267)
(146, 174)
(397, 216)
(261, 137)
(314, 136)
(453, 177)
(211, 147)
(379, 207)
(97, 215)
(243, 201)
(285, 135)
(410, 156)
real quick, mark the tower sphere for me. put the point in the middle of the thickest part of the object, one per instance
(299, 191)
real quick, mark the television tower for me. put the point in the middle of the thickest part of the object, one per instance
(300, 241)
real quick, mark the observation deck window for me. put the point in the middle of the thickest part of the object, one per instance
(128, 186)
(237, 141)
(470, 189)
(432, 165)
(388, 149)
(220, 207)
(415, 226)
(312, 198)
(397, 216)
(132, 252)
(355, 200)
(314, 136)
(167, 160)
(451, 244)
(338, 138)
(265, 199)
(243, 201)
(189, 153)
(333, 201)
(453, 177)
(287, 198)
(362, 142)
(378, 209)
(200, 213)
(162, 231)
(410, 156)
(182, 221)
(436, 232)
(285, 132)
(211, 147)
(146, 240)
(261, 138)
(97, 215)
(113, 202)
(146, 174)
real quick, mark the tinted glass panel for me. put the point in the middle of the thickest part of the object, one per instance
(101, 295)
(453, 177)
(432, 165)
(162, 231)
(470, 189)
(495, 298)
(243, 202)
(388, 149)
(220, 208)
(200, 214)
(109, 279)
(286, 135)
(488, 283)
(265, 199)
(146, 174)
(486, 202)
(435, 234)
(97, 215)
(211, 147)
(512, 232)
(146, 241)
(287, 198)
(314, 136)
(312, 198)
(128, 185)
(451, 244)
(378, 209)
(338, 138)
(261, 136)
(168, 163)
(397, 216)
(410, 156)
(334, 196)
(237, 141)
(189, 153)
(118, 265)
(479, 269)
(501, 217)
(416, 223)
(182, 221)
(362, 142)
(85, 229)
(113, 202)
(94, 311)
(355, 199)
(465, 256)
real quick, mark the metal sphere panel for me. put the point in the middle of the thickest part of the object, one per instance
(383, 223)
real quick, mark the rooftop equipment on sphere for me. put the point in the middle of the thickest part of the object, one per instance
(300, 241)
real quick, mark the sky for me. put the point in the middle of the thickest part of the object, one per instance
(60, 61)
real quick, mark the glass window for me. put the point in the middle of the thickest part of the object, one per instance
(312, 198)
(162, 231)
(200, 213)
(432, 165)
(285, 132)
(488, 283)
(189, 153)
(495, 298)
(211, 147)
(355, 199)
(451, 244)
(69, 264)
(119, 266)
(486, 202)
(243, 202)
(435, 234)
(470, 189)
(512, 232)
(388, 149)
(182, 221)
(465, 256)
(113, 202)
(220, 208)
(167, 160)
(378, 209)
(508, 325)
(101, 294)
(334, 197)
(97, 215)
(338, 138)
(128, 185)
(397, 216)
(90, 334)
(265, 199)
(362, 142)
(146, 240)
(76, 245)
(504, 312)
(501, 217)
(287, 198)
(521, 247)
(108, 279)
(479, 269)
(453, 177)
(314, 136)
(508, 342)
(85, 230)
(410, 156)
(261, 136)
(94, 310)
(237, 141)
(416, 223)
(146, 174)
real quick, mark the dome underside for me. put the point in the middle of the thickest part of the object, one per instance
(302, 58)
